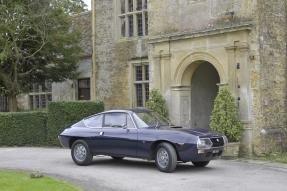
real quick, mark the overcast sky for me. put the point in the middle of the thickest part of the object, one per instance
(88, 2)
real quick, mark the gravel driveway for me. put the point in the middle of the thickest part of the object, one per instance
(139, 175)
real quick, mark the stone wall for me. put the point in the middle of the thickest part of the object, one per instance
(113, 56)
(68, 90)
(64, 91)
(271, 108)
(179, 16)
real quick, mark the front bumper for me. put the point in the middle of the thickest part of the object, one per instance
(198, 155)
(64, 140)
(209, 154)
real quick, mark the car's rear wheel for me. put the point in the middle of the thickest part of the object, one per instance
(200, 164)
(165, 157)
(117, 158)
(81, 154)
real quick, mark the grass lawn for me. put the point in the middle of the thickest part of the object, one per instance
(19, 181)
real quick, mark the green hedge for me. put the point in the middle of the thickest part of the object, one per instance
(41, 128)
(23, 129)
(63, 114)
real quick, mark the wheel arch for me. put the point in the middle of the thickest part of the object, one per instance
(156, 143)
(73, 139)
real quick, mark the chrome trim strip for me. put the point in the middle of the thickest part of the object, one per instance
(133, 120)
(212, 148)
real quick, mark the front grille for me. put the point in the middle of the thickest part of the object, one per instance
(217, 141)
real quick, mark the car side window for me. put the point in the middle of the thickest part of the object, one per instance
(94, 122)
(118, 120)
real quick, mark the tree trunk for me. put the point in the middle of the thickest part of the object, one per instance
(12, 103)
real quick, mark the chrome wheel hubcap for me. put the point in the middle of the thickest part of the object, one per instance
(80, 152)
(162, 158)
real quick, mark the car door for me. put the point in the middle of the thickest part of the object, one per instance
(119, 135)
(94, 126)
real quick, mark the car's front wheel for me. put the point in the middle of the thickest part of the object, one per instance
(81, 154)
(165, 157)
(200, 164)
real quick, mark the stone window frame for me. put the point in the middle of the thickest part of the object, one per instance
(123, 19)
(144, 81)
(40, 95)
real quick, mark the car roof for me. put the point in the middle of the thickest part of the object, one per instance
(130, 111)
(135, 110)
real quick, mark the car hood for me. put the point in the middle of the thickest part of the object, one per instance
(200, 132)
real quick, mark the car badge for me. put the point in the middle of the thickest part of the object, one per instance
(217, 140)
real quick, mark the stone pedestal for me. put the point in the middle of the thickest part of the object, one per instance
(231, 150)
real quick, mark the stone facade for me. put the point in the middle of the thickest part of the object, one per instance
(243, 42)
(270, 74)
(113, 56)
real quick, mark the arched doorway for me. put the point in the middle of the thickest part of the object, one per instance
(203, 92)
(196, 79)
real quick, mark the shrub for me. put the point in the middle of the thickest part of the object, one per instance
(157, 103)
(63, 114)
(23, 129)
(225, 118)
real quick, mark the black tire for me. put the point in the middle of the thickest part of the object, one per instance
(170, 153)
(86, 158)
(117, 158)
(200, 164)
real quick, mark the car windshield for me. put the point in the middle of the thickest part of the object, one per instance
(150, 119)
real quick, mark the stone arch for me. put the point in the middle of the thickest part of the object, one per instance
(190, 63)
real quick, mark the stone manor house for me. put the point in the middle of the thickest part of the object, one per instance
(188, 49)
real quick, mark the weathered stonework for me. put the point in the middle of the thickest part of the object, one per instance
(243, 40)
(177, 16)
(113, 56)
(270, 112)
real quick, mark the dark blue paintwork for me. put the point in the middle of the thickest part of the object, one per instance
(141, 142)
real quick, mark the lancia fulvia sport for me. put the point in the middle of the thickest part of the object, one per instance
(140, 133)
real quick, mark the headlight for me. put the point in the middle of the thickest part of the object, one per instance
(225, 140)
(204, 143)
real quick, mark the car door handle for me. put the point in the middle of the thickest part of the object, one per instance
(101, 133)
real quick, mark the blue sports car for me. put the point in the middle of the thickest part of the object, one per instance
(140, 133)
